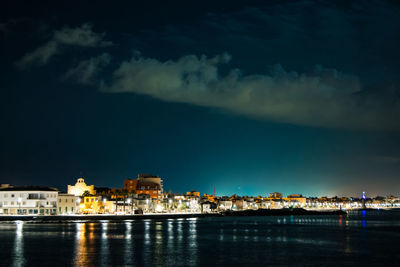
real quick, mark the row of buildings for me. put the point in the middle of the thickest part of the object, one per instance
(145, 194)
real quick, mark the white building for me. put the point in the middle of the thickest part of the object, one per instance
(225, 205)
(67, 204)
(32, 200)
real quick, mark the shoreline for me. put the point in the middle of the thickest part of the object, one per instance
(99, 217)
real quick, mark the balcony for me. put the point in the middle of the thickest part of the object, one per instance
(35, 197)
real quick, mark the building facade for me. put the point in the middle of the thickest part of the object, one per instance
(67, 204)
(80, 187)
(28, 200)
(146, 184)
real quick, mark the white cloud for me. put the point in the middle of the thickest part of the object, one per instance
(82, 36)
(86, 71)
(324, 97)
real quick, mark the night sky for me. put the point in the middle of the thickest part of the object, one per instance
(249, 97)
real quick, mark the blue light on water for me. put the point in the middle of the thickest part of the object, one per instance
(364, 212)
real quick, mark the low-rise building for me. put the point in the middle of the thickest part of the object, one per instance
(67, 204)
(92, 205)
(275, 195)
(193, 194)
(29, 200)
(225, 205)
(296, 200)
(147, 184)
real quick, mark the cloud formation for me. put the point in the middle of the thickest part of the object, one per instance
(323, 97)
(360, 37)
(86, 71)
(82, 36)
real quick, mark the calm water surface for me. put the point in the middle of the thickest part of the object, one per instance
(361, 239)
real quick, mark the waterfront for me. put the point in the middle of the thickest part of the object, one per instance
(362, 238)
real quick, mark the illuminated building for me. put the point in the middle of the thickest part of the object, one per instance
(225, 205)
(145, 184)
(31, 200)
(275, 195)
(67, 204)
(295, 200)
(94, 205)
(80, 187)
(193, 194)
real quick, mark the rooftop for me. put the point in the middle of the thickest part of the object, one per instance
(29, 188)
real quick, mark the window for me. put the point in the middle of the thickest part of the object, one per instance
(59, 209)
(66, 200)
(72, 200)
(23, 203)
(12, 202)
(59, 200)
(12, 195)
(72, 209)
(66, 209)
(33, 196)
(5, 195)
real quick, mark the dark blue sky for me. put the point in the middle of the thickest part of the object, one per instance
(251, 97)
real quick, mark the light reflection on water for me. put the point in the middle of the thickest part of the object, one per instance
(81, 246)
(207, 241)
(104, 250)
(128, 255)
(19, 259)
